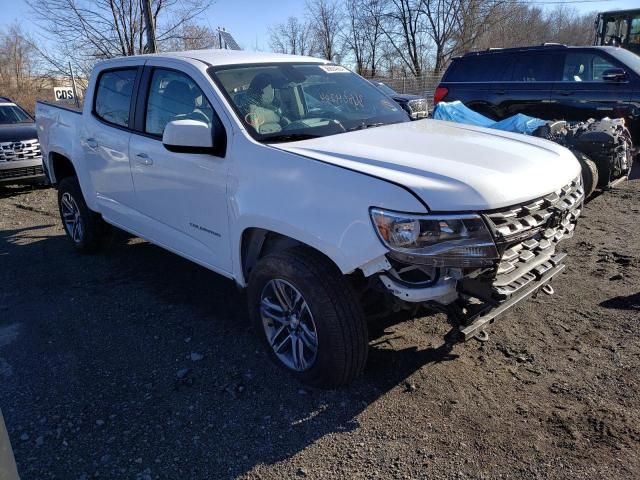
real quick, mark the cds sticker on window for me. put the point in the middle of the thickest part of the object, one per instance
(333, 69)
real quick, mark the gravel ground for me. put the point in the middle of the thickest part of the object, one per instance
(137, 364)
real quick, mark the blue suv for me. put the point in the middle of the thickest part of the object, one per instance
(552, 82)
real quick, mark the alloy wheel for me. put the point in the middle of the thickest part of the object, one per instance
(71, 217)
(289, 325)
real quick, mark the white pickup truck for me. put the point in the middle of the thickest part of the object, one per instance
(304, 183)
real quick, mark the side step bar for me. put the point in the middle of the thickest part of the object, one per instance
(477, 322)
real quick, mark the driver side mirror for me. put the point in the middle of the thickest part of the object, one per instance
(614, 75)
(188, 136)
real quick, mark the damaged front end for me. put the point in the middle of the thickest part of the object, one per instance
(606, 142)
(476, 274)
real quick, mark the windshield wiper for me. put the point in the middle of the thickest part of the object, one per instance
(289, 137)
(363, 125)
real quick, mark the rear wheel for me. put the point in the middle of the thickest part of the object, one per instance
(84, 227)
(308, 317)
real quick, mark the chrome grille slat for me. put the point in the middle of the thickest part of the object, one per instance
(20, 150)
(549, 219)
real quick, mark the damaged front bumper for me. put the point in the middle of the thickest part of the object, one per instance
(526, 236)
(476, 322)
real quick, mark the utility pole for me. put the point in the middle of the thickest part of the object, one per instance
(73, 83)
(151, 46)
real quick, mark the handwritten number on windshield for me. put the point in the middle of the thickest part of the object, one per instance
(354, 99)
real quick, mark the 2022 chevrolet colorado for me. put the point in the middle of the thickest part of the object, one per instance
(304, 183)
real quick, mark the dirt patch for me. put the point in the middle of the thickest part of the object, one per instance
(134, 363)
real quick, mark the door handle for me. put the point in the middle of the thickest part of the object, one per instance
(143, 159)
(92, 143)
(566, 94)
(499, 92)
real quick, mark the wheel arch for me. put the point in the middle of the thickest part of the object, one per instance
(61, 167)
(257, 242)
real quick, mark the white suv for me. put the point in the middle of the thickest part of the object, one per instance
(303, 182)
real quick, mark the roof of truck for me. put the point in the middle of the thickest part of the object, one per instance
(214, 57)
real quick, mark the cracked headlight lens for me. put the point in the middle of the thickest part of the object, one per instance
(456, 240)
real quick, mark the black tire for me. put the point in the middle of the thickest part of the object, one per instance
(91, 224)
(342, 336)
(589, 173)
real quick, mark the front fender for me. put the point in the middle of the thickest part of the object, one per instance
(321, 205)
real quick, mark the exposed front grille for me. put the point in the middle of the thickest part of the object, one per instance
(511, 222)
(418, 105)
(23, 172)
(19, 150)
(527, 236)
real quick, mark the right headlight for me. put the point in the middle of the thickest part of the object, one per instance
(440, 240)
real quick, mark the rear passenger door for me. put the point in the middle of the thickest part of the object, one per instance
(104, 140)
(583, 94)
(478, 82)
(531, 79)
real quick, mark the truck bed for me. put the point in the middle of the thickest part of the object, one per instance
(57, 130)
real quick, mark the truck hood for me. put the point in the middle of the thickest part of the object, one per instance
(17, 132)
(451, 167)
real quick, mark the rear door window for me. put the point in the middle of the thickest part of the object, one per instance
(113, 96)
(585, 67)
(480, 68)
(537, 67)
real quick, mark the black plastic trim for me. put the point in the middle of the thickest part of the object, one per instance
(183, 149)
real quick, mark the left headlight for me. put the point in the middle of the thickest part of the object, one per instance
(440, 240)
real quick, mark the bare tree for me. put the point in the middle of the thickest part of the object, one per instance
(19, 66)
(442, 17)
(362, 36)
(292, 37)
(355, 38)
(454, 26)
(568, 26)
(193, 37)
(405, 30)
(325, 21)
(373, 16)
(87, 30)
(530, 25)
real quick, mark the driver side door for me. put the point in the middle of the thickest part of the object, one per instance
(180, 197)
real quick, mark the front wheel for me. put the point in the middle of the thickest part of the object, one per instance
(308, 317)
(590, 175)
(84, 227)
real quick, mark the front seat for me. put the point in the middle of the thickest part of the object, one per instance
(579, 72)
(178, 99)
(178, 102)
(259, 110)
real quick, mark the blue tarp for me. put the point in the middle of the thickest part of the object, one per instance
(459, 113)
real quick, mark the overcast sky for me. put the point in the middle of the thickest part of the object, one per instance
(248, 20)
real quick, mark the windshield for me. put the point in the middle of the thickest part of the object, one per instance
(286, 102)
(630, 59)
(385, 88)
(10, 114)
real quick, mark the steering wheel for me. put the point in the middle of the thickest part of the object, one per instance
(200, 116)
